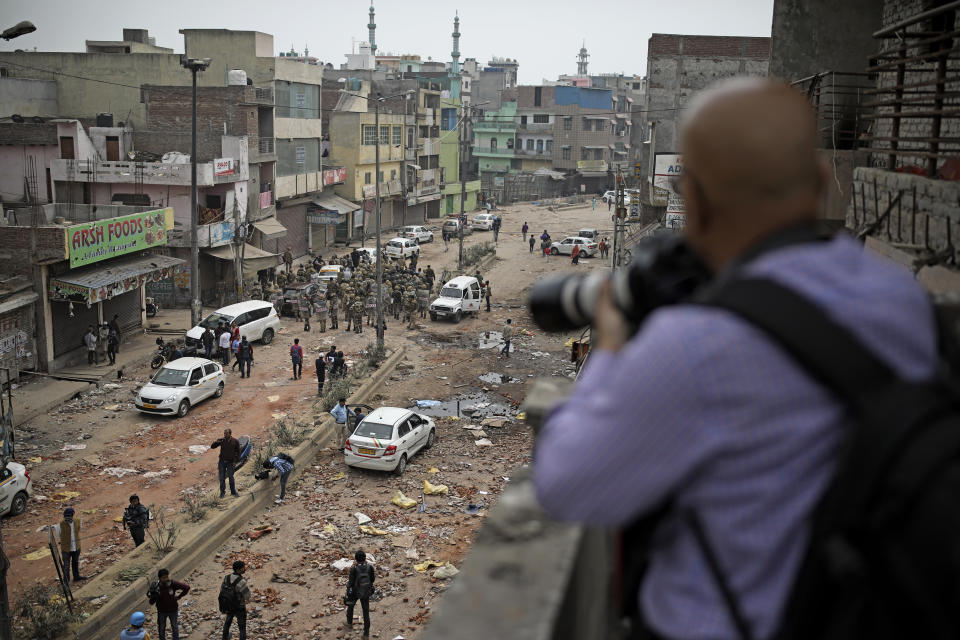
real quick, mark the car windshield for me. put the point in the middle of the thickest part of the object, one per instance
(171, 377)
(394, 243)
(212, 320)
(450, 292)
(409, 229)
(367, 429)
(292, 293)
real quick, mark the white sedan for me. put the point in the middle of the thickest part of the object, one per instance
(483, 221)
(588, 248)
(387, 438)
(179, 385)
(401, 248)
(419, 234)
(15, 489)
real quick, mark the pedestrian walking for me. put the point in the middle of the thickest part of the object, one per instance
(532, 242)
(282, 463)
(430, 277)
(136, 518)
(245, 356)
(229, 456)
(225, 346)
(288, 260)
(487, 293)
(496, 229)
(113, 344)
(207, 338)
(575, 254)
(507, 337)
(166, 594)
(233, 599)
(339, 365)
(360, 587)
(90, 341)
(546, 253)
(321, 367)
(446, 240)
(115, 326)
(545, 242)
(68, 533)
(340, 413)
(296, 357)
(524, 229)
(235, 350)
(135, 631)
(103, 332)
(603, 248)
(234, 331)
(609, 203)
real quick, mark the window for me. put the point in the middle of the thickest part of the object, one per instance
(586, 124)
(404, 428)
(598, 154)
(195, 375)
(366, 178)
(566, 153)
(448, 119)
(410, 132)
(541, 118)
(424, 132)
(297, 100)
(567, 123)
(381, 177)
(584, 154)
(435, 132)
(369, 134)
(384, 134)
(393, 174)
(549, 146)
(435, 162)
(493, 144)
(397, 136)
(529, 144)
(299, 155)
(209, 369)
(537, 96)
(539, 146)
(509, 143)
(523, 120)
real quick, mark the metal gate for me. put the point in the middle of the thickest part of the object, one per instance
(416, 214)
(127, 306)
(68, 332)
(295, 220)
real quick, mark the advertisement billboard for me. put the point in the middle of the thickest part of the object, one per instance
(666, 167)
(104, 239)
(223, 166)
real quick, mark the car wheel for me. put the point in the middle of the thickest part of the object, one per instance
(430, 439)
(19, 504)
(554, 251)
(184, 408)
(267, 336)
(219, 391)
(433, 317)
(401, 466)
(457, 318)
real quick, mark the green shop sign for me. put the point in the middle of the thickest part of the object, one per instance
(104, 239)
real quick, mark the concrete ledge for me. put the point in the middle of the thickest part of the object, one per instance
(106, 623)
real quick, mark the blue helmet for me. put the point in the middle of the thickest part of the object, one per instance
(137, 619)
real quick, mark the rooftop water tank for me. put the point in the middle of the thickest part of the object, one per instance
(237, 77)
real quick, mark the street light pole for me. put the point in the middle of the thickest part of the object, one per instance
(463, 186)
(194, 65)
(376, 178)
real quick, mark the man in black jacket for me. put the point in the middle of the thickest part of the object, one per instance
(321, 365)
(136, 518)
(245, 356)
(360, 587)
(229, 456)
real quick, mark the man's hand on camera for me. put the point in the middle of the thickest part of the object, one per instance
(610, 329)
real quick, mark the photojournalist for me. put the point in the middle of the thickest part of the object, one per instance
(704, 411)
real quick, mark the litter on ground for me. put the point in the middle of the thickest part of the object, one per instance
(403, 501)
(434, 489)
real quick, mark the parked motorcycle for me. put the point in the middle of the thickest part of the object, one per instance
(152, 307)
(166, 352)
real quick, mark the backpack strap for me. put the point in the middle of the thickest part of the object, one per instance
(716, 572)
(829, 352)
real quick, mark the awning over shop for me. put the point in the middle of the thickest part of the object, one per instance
(18, 300)
(254, 259)
(103, 281)
(333, 202)
(593, 174)
(270, 228)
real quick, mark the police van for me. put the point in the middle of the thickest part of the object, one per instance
(457, 298)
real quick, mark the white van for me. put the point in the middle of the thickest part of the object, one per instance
(257, 319)
(402, 248)
(457, 298)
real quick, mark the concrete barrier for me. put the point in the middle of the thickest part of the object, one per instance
(107, 622)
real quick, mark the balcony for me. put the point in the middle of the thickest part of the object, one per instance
(262, 149)
(259, 96)
(127, 172)
(536, 126)
(533, 153)
(493, 151)
(299, 184)
(494, 125)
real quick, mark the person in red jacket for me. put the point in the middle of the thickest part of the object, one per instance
(166, 594)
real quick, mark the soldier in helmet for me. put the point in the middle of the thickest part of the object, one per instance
(320, 308)
(334, 303)
(358, 307)
(410, 307)
(347, 303)
(423, 300)
(281, 280)
(397, 300)
(301, 274)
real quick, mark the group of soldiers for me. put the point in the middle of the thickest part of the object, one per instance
(406, 291)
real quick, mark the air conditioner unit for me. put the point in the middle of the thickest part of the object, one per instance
(622, 133)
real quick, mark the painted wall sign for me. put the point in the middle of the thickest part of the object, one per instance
(104, 239)
(334, 176)
(223, 166)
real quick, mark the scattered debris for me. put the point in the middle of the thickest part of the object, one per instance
(446, 571)
(426, 565)
(403, 501)
(73, 447)
(434, 489)
(424, 404)
(273, 398)
(362, 518)
(198, 449)
(373, 531)
(258, 532)
(118, 472)
(483, 442)
(157, 474)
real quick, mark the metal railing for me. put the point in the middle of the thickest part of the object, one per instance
(536, 126)
(492, 151)
(265, 145)
(494, 125)
(263, 95)
(916, 106)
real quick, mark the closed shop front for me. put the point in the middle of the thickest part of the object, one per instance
(433, 209)
(295, 220)
(416, 214)
(18, 349)
(69, 325)
(127, 306)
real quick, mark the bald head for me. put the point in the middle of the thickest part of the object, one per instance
(750, 165)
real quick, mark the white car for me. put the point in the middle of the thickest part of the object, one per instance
(15, 489)
(402, 248)
(609, 197)
(483, 221)
(387, 438)
(329, 272)
(457, 298)
(257, 319)
(372, 252)
(420, 234)
(588, 247)
(179, 385)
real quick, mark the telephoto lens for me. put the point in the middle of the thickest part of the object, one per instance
(664, 270)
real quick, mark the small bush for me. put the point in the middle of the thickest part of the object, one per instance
(163, 534)
(44, 613)
(333, 390)
(196, 506)
(473, 255)
(288, 433)
(374, 356)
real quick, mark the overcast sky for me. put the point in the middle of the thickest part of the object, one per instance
(543, 35)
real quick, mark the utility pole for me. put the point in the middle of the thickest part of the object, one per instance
(376, 181)
(620, 212)
(464, 114)
(194, 65)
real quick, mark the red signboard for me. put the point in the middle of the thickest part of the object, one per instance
(334, 176)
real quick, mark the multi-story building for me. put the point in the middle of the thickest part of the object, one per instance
(495, 138)
(455, 149)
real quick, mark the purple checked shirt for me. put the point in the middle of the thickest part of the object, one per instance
(702, 407)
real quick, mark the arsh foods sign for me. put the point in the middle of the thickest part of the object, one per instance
(104, 239)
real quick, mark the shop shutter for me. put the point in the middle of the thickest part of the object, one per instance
(295, 220)
(68, 332)
(127, 306)
(416, 214)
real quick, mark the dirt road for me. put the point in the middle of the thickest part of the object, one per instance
(127, 452)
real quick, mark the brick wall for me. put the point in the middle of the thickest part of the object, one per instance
(667, 44)
(16, 257)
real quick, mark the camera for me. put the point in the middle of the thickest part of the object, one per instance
(263, 475)
(664, 270)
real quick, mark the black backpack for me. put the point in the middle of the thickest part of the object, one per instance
(230, 599)
(364, 585)
(883, 560)
(286, 457)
